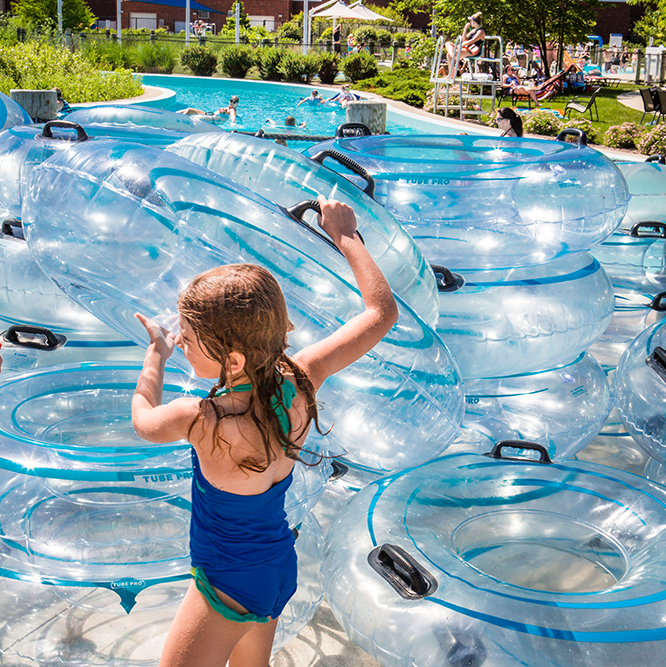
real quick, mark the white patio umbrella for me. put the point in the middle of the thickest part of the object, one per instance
(337, 10)
(366, 13)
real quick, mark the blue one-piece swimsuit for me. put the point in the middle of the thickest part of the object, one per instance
(243, 545)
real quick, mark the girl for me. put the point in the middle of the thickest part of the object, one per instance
(245, 439)
(473, 36)
(509, 122)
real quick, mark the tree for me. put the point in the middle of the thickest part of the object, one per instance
(75, 13)
(653, 23)
(231, 20)
(528, 22)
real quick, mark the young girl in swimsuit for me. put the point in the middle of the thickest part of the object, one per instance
(472, 39)
(246, 438)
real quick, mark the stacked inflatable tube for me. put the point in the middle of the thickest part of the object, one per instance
(139, 118)
(635, 259)
(640, 390)
(71, 426)
(647, 187)
(508, 322)
(24, 147)
(12, 113)
(285, 176)
(133, 226)
(487, 202)
(510, 562)
(562, 409)
(28, 298)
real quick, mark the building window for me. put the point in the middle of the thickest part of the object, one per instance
(203, 14)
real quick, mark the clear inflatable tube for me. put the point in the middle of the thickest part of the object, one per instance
(23, 148)
(285, 176)
(640, 390)
(12, 113)
(562, 409)
(124, 620)
(634, 312)
(137, 117)
(636, 259)
(486, 202)
(71, 425)
(647, 187)
(507, 322)
(29, 298)
(510, 561)
(122, 229)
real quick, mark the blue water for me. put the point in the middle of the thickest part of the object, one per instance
(261, 100)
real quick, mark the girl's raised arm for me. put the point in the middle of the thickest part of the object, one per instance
(356, 337)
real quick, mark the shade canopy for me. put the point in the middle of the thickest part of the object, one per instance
(339, 11)
(367, 14)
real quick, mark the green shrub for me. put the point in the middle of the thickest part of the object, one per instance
(107, 54)
(155, 58)
(298, 67)
(542, 122)
(400, 38)
(653, 142)
(365, 34)
(626, 135)
(268, 63)
(405, 85)
(329, 66)
(359, 66)
(290, 31)
(200, 60)
(327, 35)
(423, 49)
(40, 66)
(236, 61)
(384, 37)
(583, 124)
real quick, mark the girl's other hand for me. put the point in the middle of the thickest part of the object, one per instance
(336, 219)
(163, 340)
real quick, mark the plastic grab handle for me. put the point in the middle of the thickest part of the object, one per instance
(13, 227)
(658, 227)
(657, 362)
(47, 132)
(659, 159)
(352, 130)
(296, 213)
(573, 132)
(40, 338)
(447, 281)
(351, 165)
(339, 470)
(496, 452)
(410, 579)
(657, 303)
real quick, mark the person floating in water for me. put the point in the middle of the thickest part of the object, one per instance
(344, 96)
(314, 99)
(229, 110)
(289, 123)
(246, 437)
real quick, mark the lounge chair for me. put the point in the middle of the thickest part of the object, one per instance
(591, 104)
(544, 91)
(648, 104)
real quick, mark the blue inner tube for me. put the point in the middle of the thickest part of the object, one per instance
(504, 562)
(487, 202)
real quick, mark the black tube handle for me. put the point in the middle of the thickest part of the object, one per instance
(347, 130)
(657, 302)
(446, 280)
(496, 452)
(659, 158)
(346, 161)
(658, 227)
(13, 227)
(657, 362)
(47, 132)
(339, 470)
(39, 338)
(296, 212)
(410, 579)
(573, 132)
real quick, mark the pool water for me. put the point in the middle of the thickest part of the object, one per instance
(259, 101)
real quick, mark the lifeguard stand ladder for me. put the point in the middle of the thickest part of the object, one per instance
(486, 87)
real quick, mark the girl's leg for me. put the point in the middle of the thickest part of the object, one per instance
(199, 636)
(254, 649)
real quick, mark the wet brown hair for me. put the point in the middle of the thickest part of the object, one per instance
(241, 308)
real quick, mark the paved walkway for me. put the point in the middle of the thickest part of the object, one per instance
(631, 99)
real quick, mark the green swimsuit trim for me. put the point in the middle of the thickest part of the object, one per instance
(205, 588)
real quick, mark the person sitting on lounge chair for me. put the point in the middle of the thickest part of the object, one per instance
(512, 84)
